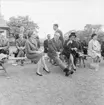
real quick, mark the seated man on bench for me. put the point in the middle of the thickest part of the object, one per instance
(20, 45)
(4, 45)
(4, 50)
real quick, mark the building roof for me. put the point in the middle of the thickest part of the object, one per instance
(3, 23)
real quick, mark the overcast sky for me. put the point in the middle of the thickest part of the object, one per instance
(69, 14)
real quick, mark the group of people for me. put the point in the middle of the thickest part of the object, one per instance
(57, 49)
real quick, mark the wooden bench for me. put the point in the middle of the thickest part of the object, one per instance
(82, 58)
(17, 58)
(5, 59)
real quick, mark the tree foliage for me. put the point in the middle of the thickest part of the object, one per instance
(15, 23)
(89, 29)
(92, 28)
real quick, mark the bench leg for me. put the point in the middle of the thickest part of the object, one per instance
(3, 68)
(6, 74)
(84, 62)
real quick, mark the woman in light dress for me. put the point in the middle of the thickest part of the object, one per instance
(94, 51)
(33, 53)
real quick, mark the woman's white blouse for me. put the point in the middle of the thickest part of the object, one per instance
(94, 48)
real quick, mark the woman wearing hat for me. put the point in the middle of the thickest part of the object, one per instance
(94, 50)
(70, 48)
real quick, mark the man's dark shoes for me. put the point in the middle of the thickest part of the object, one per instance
(65, 70)
(68, 72)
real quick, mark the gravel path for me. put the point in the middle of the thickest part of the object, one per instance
(24, 87)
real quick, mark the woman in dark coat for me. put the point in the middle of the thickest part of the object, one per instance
(34, 54)
(4, 45)
(70, 51)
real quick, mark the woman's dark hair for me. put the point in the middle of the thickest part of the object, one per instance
(56, 25)
(93, 35)
(30, 33)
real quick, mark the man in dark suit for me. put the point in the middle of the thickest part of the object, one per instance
(55, 47)
(46, 48)
(38, 41)
(55, 27)
(46, 43)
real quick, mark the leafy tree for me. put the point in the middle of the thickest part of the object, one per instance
(89, 28)
(15, 23)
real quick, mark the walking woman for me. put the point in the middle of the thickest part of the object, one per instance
(34, 54)
(94, 50)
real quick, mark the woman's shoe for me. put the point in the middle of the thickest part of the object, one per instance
(46, 70)
(74, 69)
(39, 74)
